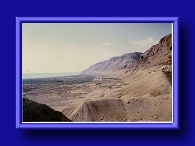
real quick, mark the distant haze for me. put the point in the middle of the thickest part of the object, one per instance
(73, 47)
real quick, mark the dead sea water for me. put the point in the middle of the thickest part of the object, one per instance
(47, 75)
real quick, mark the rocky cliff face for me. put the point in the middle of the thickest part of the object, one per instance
(113, 64)
(159, 54)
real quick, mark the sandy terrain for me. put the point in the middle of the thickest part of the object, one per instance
(147, 98)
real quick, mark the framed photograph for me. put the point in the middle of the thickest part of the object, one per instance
(97, 72)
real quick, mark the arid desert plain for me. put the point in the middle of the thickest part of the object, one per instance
(134, 87)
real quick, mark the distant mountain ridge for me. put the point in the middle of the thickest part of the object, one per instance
(113, 64)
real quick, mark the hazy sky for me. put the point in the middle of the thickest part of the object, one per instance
(73, 47)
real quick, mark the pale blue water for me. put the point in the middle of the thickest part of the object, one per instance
(47, 75)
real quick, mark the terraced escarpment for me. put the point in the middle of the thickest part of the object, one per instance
(118, 90)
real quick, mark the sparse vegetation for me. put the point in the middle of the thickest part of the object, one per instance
(65, 80)
(111, 79)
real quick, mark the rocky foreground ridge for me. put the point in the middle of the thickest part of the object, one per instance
(36, 112)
